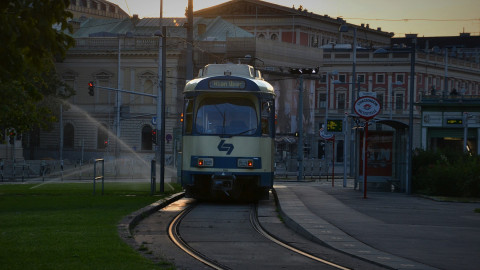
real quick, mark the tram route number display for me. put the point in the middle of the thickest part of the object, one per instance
(226, 84)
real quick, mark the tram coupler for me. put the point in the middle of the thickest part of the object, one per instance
(223, 182)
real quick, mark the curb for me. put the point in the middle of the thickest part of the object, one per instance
(126, 225)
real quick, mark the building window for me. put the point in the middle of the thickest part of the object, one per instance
(314, 42)
(380, 78)
(103, 7)
(147, 137)
(342, 78)
(400, 78)
(262, 36)
(73, 2)
(83, 3)
(93, 5)
(323, 78)
(102, 137)
(341, 101)
(322, 100)
(111, 8)
(68, 136)
(399, 101)
(361, 78)
(380, 99)
(274, 37)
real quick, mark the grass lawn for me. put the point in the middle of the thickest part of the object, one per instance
(63, 226)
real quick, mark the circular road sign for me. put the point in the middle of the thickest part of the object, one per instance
(367, 107)
(325, 135)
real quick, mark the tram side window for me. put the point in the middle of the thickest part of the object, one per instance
(188, 121)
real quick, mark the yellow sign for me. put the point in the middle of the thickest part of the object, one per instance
(454, 121)
(334, 125)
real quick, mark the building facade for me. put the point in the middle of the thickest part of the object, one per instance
(123, 53)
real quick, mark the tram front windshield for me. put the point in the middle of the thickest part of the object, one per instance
(226, 116)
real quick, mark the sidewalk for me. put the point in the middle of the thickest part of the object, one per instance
(391, 229)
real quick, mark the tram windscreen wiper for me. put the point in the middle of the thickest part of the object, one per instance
(223, 118)
(243, 132)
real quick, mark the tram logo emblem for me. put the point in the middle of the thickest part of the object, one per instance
(227, 147)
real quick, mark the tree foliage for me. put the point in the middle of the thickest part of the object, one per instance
(34, 34)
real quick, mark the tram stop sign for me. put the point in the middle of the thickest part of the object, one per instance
(367, 107)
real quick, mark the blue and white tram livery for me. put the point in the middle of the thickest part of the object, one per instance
(228, 134)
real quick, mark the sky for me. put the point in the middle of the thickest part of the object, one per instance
(422, 17)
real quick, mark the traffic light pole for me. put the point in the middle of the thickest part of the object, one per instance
(300, 130)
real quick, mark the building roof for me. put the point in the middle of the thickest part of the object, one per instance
(239, 8)
(215, 29)
(464, 40)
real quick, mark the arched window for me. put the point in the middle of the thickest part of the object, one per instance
(274, 37)
(261, 36)
(102, 137)
(68, 136)
(147, 137)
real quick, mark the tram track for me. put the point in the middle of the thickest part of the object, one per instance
(176, 238)
(174, 234)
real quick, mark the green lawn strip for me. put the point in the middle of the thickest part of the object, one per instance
(63, 226)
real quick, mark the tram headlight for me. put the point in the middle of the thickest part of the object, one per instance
(245, 163)
(205, 162)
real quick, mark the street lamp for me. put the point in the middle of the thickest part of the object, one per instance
(343, 29)
(410, 115)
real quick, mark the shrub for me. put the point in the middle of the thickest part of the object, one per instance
(446, 174)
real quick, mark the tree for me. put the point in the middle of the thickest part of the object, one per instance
(34, 34)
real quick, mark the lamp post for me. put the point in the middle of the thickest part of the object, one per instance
(159, 156)
(410, 117)
(343, 29)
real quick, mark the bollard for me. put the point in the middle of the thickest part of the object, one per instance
(95, 177)
(153, 173)
(42, 170)
(61, 167)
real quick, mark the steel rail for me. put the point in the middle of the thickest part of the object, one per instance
(174, 235)
(256, 225)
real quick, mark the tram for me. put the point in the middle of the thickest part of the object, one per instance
(228, 134)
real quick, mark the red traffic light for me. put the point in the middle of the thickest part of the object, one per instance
(91, 88)
(154, 136)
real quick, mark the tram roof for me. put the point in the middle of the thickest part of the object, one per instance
(218, 73)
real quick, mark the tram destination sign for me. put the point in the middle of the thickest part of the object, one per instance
(226, 84)
(367, 107)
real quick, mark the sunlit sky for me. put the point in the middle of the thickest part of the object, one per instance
(422, 17)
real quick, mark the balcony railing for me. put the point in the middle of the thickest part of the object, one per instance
(450, 99)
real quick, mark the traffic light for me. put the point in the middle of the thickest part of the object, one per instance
(105, 142)
(154, 136)
(304, 70)
(297, 134)
(91, 88)
(11, 137)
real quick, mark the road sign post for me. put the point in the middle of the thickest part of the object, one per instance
(367, 108)
(330, 137)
